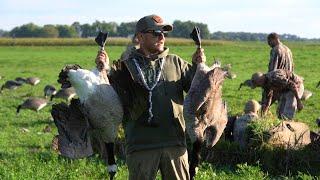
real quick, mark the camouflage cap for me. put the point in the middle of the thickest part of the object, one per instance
(252, 106)
(152, 22)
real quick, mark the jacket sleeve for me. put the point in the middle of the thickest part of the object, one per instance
(119, 79)
(116, 76)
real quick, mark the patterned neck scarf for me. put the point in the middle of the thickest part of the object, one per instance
(149, 80)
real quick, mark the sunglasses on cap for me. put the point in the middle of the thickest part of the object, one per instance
(157, 33)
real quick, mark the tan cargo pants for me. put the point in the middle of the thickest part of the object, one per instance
(172, 162)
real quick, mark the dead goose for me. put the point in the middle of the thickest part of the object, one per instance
(65, 93)
(204, 111)
(33, 80)
(33, 103)
(10, 85)
(102, 104)
(49, 90)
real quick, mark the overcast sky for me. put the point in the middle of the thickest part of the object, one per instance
(299, 17)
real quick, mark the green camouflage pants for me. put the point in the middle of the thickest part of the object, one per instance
(172, 162)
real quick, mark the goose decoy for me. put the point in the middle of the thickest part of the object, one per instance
(33, 80)
(21, 80)
(10, 85)
(65, 93)
(33, 103)
(49, 90)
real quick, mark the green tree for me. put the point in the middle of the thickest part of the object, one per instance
(103, 26)
(183, 29)
(66, 31)
(26, 30)
(4, 33)
(127, 29)
(49, 31)
(77, 27)
(87, 30)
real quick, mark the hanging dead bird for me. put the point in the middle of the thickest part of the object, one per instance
(100, 101)
(204, 110)
(35, 104)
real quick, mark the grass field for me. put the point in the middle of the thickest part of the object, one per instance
(28, 155)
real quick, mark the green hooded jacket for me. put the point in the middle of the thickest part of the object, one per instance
(167, 99)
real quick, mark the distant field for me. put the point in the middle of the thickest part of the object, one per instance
(28, 155)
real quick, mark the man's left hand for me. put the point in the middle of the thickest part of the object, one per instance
(199, 56)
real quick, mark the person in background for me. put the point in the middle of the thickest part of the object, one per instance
(281, 58)
(251, 111)
(280, 55)
(279, 82)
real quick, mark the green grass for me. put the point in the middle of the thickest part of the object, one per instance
(28, 155)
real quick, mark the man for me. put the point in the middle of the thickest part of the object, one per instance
(150, 83)
(280, 55)
(279, 82)
(281, 58)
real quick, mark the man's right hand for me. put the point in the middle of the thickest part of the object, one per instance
(102, 60)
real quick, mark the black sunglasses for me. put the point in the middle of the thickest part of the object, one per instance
(157, 33)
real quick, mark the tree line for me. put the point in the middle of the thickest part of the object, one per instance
(181, 29)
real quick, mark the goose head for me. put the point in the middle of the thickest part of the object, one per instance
(63, 75)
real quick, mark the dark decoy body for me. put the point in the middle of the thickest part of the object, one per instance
(33, 103)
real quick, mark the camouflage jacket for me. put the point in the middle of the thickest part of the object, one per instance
(167, 99)
(281, 58)
(278, 82)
